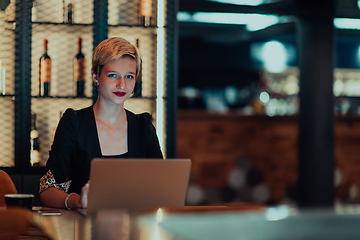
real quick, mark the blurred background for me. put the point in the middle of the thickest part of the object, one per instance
(239, 98)
(220, 78)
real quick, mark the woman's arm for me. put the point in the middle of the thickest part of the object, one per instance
(54, 184)
(63, 146)
(53, 197)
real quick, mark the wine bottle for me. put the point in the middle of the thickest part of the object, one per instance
(70, 13)
(44, 72)
(35, 156)
(80, 70)
(137, 89)
(34, 12)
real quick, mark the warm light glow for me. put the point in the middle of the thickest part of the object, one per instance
(159, 215)
(145, 8)
(241, 2)
(257, 21)
(274, 56)
(184, 17)
(338, 87)
(253, 22)
(160, 80)
(156, 233)
(264, 97)
(291, 86)
(347, 23)
(231, 94)
(34, 134)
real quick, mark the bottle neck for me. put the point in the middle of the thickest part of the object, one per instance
(79, 44)
(45, 45)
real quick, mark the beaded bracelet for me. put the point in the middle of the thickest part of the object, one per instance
(66, 200)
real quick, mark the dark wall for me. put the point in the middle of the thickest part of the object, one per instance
(210, 64)
(347, 55)
(205, 64)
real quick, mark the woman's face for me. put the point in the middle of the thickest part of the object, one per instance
(117, 80)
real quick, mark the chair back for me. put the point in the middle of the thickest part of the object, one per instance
(21, 223)
(6, 187)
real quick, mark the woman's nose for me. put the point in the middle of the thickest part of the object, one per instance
(121, 83)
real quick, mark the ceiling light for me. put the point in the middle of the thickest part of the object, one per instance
(274, 56)
(241, 2)
(347, 23)
(253, 22)
(246, 2)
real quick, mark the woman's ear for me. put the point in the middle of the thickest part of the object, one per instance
(95, 81)
(93, 75)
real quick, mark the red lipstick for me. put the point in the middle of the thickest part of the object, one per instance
(120, 94)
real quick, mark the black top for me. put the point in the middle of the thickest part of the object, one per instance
(76, 143)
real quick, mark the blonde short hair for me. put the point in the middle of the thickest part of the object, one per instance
(112, 49)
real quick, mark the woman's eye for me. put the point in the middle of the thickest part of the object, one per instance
(129, 76)
(112, 75)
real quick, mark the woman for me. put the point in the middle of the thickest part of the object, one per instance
(105, 129)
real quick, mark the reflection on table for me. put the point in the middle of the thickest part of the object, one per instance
(148, 224)
(211, 223)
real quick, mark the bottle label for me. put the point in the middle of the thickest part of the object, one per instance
(45, 70)
(80, 70)
(145, 8)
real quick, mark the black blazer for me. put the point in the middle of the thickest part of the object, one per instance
(76, 143)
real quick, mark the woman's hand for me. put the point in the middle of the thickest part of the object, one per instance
(84, 195)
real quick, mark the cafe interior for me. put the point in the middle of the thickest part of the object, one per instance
(262, 96)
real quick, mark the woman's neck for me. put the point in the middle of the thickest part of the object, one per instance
(110, 114)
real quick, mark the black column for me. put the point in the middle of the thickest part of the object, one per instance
(22, 89)
(100, 28)
(172, 77)
(316, 118)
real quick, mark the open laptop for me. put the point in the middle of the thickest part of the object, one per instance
(136, 184)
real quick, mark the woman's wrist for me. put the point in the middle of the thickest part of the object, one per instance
(72, 201)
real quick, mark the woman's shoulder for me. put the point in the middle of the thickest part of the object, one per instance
(71, 111)
(141, 122)
(85, 113)
(140, 118)
(71, 115)
(68, 114)
(86, 110)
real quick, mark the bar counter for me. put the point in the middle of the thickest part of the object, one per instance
(217, 143)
